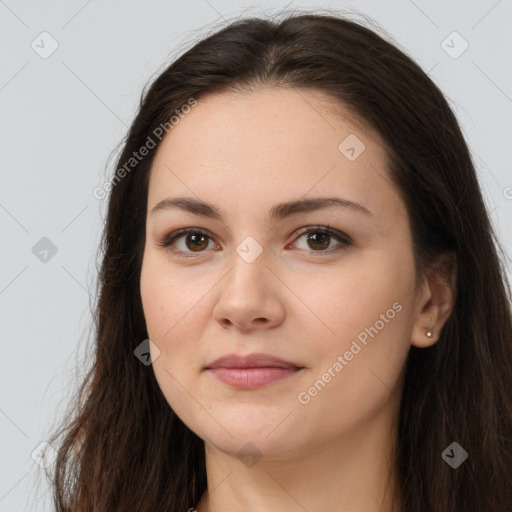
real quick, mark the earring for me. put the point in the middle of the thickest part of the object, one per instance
(429, 334)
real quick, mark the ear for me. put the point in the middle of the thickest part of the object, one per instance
(435, 301)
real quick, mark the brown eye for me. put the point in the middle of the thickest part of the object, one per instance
(196, 241)
(319, 240)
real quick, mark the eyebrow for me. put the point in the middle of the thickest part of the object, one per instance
(277, 213)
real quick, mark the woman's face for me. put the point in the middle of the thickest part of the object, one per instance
(261, 277)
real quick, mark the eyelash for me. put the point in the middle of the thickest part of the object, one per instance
(167, 240)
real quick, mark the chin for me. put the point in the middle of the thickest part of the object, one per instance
(249, 446)
(246, 434)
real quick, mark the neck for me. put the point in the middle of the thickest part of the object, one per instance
(356, 473)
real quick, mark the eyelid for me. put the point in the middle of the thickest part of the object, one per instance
(167, 240)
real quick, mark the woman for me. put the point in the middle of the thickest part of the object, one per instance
(301, 301)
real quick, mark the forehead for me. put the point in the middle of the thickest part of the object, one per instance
(271, 144)
(268, 119)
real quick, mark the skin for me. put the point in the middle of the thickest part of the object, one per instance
(245, 153)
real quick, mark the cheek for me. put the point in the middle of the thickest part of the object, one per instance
(369, 326)
(165, 312)
(175, 316)
(366, 301)
(166, 298)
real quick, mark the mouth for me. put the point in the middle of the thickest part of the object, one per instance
(252, 371)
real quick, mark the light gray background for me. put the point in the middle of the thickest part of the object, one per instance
(61, 117)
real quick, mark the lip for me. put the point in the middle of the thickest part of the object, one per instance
(251, 361)
(252, 371)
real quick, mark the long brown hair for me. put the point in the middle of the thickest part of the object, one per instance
(123, 448)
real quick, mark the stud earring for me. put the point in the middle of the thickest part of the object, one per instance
(429, 334)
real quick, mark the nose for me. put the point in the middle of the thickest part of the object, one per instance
(250, 296)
